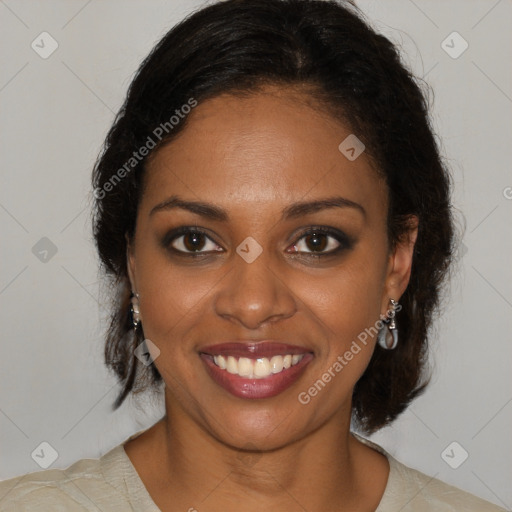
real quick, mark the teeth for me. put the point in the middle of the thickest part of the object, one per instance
(276, 364)
(262, 368)
(257, 368)
(244, 367)
(232, 365)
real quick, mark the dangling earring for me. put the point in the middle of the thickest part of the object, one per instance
(388, 334)
(135, 310)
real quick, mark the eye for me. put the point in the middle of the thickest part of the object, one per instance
(321, 241)
(189, 240)
(313, 242)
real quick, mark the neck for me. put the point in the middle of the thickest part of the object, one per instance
(327, 469)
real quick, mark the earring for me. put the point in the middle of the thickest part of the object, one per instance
(388, 334)
(135, 310)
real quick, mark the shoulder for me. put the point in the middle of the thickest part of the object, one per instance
(409, 490)
(419, 492)
(83, 486)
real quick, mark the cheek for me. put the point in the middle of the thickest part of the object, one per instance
(348, 305)
(171, 296)
(166, 300)
(349, 297)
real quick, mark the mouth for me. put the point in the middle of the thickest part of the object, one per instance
(255, 370)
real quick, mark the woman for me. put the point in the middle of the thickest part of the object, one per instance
(273, 209)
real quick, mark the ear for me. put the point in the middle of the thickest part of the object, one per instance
(400, 264)
(130, 263)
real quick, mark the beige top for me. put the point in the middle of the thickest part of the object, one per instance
(112, 484)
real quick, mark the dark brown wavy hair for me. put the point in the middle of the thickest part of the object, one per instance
(327, 48)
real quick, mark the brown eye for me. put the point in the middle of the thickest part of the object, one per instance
(194, 241)
(188, 241)
(319, 243)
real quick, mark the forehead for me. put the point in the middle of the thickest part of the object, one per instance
(274, 145)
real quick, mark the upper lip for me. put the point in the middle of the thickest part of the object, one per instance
(252, 349)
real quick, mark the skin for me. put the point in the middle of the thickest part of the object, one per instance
(253, 157)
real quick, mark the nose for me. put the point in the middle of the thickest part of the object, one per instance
(253, 294)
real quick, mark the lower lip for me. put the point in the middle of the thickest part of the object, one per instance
(255, 388)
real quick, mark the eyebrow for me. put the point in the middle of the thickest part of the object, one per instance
(292, 211)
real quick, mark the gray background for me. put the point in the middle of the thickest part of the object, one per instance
(55, 113)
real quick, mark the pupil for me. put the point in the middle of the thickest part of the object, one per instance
(318, 241)
(193, 241)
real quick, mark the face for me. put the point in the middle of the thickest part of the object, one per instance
(253, 226)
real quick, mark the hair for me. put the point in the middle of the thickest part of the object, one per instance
(323, 47)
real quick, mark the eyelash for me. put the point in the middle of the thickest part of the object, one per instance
(343, 240)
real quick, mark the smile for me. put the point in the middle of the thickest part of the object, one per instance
(255, 370)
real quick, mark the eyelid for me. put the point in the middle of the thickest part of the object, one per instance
(175, 234)
(327, 230)
(344, 241)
